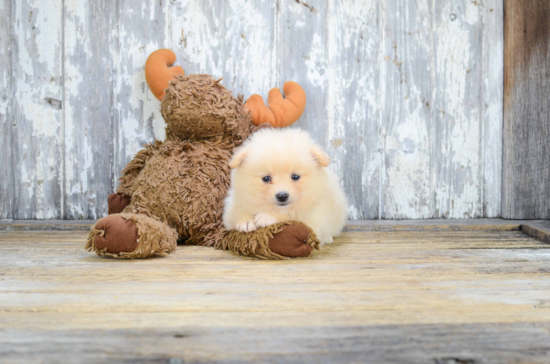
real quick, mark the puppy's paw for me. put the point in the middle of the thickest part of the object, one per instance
(247, 227)
(326, 239)
(262, 220)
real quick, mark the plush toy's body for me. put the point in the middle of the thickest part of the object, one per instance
(183, 192)
(174, 190)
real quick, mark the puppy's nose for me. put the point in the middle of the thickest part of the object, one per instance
(281, 196)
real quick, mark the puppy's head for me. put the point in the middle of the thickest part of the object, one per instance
(279, 169)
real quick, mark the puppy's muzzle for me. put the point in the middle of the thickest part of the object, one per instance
(282, 196)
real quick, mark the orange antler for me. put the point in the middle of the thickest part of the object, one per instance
(158, 71)
(281, 111)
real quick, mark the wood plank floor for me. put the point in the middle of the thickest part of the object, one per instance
(371, 297)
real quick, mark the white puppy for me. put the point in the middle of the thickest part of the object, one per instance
(279, 175)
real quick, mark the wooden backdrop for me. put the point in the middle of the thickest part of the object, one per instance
(406, 95)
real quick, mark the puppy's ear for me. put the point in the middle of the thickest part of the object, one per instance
(320, 156)
(238, 158)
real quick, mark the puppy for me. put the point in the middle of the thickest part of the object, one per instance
(280, 175)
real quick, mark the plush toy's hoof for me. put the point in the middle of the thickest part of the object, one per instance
(131, 236)
(291, 241)
(117, 202)
(119, 235)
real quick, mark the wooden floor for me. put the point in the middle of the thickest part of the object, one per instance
(371, 297)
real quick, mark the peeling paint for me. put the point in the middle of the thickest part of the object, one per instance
(36, 66)
(7, 185)
(405, 96)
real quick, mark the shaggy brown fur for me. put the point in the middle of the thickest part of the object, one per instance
(196, 107)
(135, 166)
(177, 187)
(184, 184)
(154, 237)
(262, 242)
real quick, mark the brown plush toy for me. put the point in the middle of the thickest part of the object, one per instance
(174, 190)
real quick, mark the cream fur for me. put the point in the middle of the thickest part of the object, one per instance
(316, 199)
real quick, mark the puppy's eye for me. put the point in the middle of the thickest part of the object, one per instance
(266, 179)
(295, 177)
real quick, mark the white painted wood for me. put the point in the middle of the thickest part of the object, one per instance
(231, 39)
(37, 109)
(89, 49)
(492, 105)
(405, 96)
(353, 111)
(457, 115)
(6, 116)
(303, 57)
(407, 93)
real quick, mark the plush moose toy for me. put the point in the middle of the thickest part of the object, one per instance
(174, 190)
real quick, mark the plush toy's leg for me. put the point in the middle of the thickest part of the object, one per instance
(280, 241)
(130, 236)
(117, 202)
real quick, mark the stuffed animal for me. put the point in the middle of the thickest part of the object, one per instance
(174, 190)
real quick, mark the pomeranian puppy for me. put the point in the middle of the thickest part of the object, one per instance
(280, 175)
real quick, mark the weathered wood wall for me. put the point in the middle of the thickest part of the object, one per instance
(526, 149)
(405, 95)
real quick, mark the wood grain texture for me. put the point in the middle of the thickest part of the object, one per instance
(90, 45)
(351, 225)
(404, 296)
(539, 230)
(398, 344)
(6, 116)
(37, 109)
(232, 39)
(25, 225)
(492, 74)
(407, 102)
(428, 225)
(353, 110)
(457, 119)
(303, 56)
(526, 143)
(405, 96)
